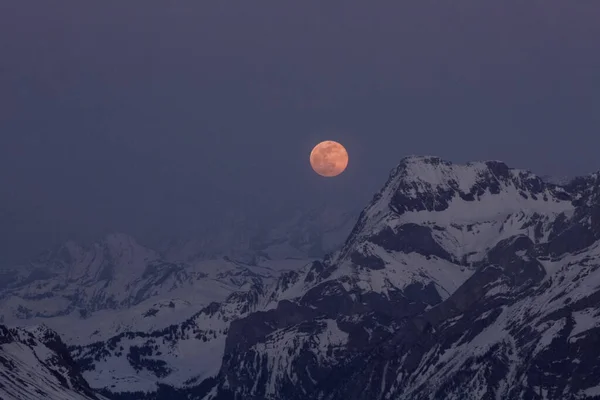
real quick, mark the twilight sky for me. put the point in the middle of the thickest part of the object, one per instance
(153, 117)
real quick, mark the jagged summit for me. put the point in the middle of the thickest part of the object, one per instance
(429, 191)
(434, 222)
(436, 182)
(434, 171)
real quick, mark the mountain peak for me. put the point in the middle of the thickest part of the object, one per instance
(428, 183)
(432, 170)
(485, 267)
(446, 203)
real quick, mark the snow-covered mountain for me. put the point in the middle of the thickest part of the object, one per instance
(118, 291)
(184, 357)
(115, 285)
(473, 281)
(35, 364)
(458, 282)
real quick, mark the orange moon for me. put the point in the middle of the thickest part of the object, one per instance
(329, 158)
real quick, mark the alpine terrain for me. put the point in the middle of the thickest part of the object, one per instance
(468, 281)
(115, 288)
(35, 364)
(458, 282)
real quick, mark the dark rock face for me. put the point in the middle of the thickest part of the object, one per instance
(429, 201)
(520, 268)
(410, 238)
(367, 260)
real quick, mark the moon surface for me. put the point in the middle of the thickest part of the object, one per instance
(329, 158)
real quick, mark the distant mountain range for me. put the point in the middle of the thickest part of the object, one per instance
(119, 280)
(301, 234)
(473, 281)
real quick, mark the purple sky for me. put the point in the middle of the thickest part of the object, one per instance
(151, 118)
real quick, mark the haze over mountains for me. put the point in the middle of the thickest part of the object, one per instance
(119, 274)
(456, 281)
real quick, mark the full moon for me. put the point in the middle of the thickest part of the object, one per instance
(329, 158)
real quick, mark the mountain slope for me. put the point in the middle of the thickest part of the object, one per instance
(530, 334)
(181, 356)
(140, 321)
(35, 363)
(76, 289)
(458, 281)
